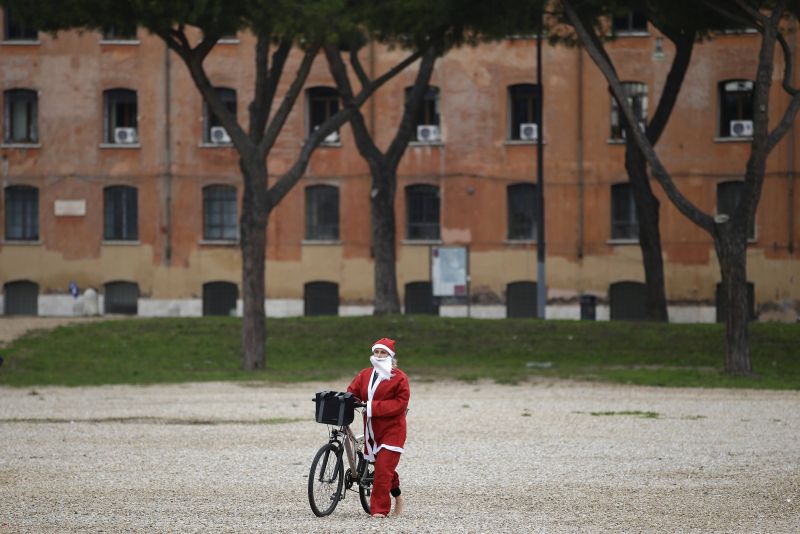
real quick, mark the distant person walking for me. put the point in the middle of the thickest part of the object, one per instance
(385, 390)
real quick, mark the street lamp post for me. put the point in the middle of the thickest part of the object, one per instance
(541, 283)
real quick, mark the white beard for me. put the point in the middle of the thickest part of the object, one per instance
(383, 366)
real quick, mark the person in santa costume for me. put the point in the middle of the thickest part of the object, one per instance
(384, 388)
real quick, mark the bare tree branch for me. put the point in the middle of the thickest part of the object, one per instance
(785, 123)
(193, 58)
(203, 48)
(788, 65)
(314, 139)
(593, 48)
(358, 68)
(267, 83)
(364, 142)
(413, 103)
(257, 108)
(388, 75)
(684, 45)
(754, 13)
(733, 16)
(763, 142)
(794, 105)
(277, 122)
(287, 181)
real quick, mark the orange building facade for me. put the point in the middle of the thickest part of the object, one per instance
(115, 178)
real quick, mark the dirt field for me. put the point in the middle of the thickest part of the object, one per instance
(480, 458)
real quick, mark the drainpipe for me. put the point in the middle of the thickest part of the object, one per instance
(167, 157)
(372, 98)
(792, 140)
(579, 155)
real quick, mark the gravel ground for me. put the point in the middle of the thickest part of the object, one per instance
(227, 457)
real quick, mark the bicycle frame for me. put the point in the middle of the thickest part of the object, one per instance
(333, 484)
(346, 439)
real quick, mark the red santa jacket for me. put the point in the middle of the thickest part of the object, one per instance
(385, 420)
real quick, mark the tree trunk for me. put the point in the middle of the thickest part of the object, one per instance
(387, 300)
(731, 248)
(253, 243)
(647, 211)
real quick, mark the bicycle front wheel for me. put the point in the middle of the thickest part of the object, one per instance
(325, 480)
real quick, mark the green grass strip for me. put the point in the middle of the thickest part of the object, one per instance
(510, 351)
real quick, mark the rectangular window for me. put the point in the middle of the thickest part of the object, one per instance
(422, 212)
(322, 213)
(427, 122)
(214, 131)
(624, 221)
(323, 103)
(521, 212)
(121, 214)
(20, 116)
(121, 116)
(17, 31)
(219, 213)
(637, 98)
(728, 194)
(119, 32)
(22, 213)
(736, 108)
(630, 22)
(524, 121)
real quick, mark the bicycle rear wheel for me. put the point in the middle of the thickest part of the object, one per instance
(325, 480)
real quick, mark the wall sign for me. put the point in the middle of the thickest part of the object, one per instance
(449, 271)
(70, 208)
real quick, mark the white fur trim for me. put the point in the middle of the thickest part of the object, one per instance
(384, 347)
(369, 434)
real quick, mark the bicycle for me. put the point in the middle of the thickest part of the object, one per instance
(328, 482)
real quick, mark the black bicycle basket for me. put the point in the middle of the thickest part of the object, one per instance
(335, 408)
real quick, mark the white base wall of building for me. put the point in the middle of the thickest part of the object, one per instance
(170, 307)
(692, 314)
(68, 306)
(356, 311)
(65, 306)
(284, 307)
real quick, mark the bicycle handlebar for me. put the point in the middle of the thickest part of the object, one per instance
(355, 404)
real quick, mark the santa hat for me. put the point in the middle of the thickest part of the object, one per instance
(385, 344)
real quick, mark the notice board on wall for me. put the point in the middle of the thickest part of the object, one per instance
(449, 271)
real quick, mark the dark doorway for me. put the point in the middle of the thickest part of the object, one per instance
(419, 299)
(321, 298)
(627, 301)
(122, 298)
(521, 300)
(219, 298)
(21, 298)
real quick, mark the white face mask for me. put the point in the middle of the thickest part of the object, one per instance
(382, 365)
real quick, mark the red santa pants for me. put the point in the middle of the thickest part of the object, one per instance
(386, 479)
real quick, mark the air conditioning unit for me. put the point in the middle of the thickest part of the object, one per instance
(125, 136)
(741, 128)
(528, 131)
(428, 133)
(219, 136)
(332, 137)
